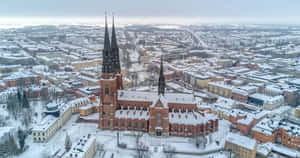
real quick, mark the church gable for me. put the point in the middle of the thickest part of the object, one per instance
(160, 102)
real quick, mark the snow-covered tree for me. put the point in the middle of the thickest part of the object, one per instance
(10, 146)
(25, 103)
(68, 143)
(169, 151)
(21, 137)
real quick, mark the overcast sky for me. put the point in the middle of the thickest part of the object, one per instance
(278, 10)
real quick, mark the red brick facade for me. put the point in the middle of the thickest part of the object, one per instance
(278, 135)
(240, 97)
(23, 81)
(110, 103)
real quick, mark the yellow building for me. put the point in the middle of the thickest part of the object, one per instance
(89, 109)
(220, 88)
(78, 103)
(297, 111)
(241, 146)
(84, 148)
(83, 64)
(43, 131)
(202, 82)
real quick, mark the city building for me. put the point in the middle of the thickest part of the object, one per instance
(56, 117)
(280, 131)
(265, 101)
(242, 146)
(220, 88)
(21, 79)
(84, 148)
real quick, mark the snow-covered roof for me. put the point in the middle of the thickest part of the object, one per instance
(79, 101)
(267, 99)
(190, 118)
(49, 120)
(241, 141)
(266, 126)
(81, 147)
(132, 114)
(160, 99)
(182, 98)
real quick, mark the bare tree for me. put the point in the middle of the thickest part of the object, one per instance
(142, 151)
(169, 151)
(200, 141)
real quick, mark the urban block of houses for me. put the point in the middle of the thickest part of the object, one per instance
(279, 131)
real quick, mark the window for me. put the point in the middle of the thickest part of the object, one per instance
(116, 123)
(106, 90)
(190, 130)
(123, 123)
(129, 124)
(33, 133)
(108, 123)
(143, 125)
(181, 129)
(136, 124)
(175, 128)
(158, 121)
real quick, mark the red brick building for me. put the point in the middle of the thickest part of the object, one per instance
(282, 132)
(240, 95)
(21, 79)
(159, 114)
(37, 91)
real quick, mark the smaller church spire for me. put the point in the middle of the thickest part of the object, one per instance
(161, 80)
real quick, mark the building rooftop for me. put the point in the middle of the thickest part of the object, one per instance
(81, 146)
(241, 141)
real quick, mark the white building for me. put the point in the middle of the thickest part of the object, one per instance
(84, 148)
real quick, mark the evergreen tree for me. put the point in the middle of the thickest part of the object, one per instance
(25, 103)
(19, 96)
(22, 137)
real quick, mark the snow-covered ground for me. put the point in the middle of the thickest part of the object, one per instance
(109, 140)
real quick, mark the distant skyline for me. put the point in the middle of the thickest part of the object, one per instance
(156, 11)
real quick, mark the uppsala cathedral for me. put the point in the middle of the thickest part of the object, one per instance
(174, 114)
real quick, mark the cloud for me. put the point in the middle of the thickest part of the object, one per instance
(239, 9)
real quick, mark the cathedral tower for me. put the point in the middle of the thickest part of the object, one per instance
(109, 82)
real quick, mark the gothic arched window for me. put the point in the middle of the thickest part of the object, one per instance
(106, 90)
(158, 123)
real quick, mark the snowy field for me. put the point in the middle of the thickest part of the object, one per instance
(109, 140)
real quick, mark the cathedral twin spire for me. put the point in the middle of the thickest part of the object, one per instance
(161, 80)
(111, 61)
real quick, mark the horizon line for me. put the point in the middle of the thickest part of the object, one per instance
(143, 20)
